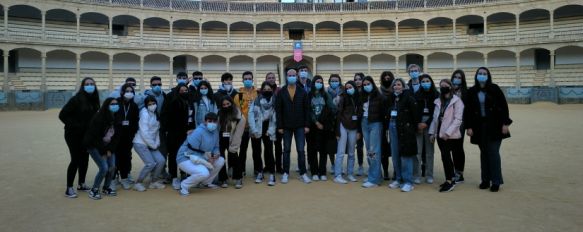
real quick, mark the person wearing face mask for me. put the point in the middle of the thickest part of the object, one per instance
(304, 78)
(177, 119)
(360, 143)
(322, 117)
(205, 103)
(278, 143)
(414, 72)
(487, 120)
(445, 127)
(387, 78)
(403, 119)
(248, 94)
(154, 91)
(226, 88)
(194, 85)
(147, 144)
(199, 156)
(293, 119)
(423, 163)
(115, 93)
(262, 125)
(231, 128)
(126, 123)
(181, 78)
(373, 113)
(460, 89)
(348, 131)
(101, 140)
(76, 115)
(335, 89)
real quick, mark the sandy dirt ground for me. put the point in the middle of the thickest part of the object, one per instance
(541, 166)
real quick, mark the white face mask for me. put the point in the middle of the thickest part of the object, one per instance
(227, 87)
(152, 108)
(128, 95)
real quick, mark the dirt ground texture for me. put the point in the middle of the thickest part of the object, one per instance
(541, 167)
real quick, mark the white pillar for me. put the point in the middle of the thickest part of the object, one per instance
(517, 27)
(142, 86)
(424, 32)
(43, 19)
(454, 34)
(141, 31)
(397, 65)
(341, 66)
(315, 66)
(485, 29)
(110, 30)
(78, 70)
(254, 35)
(425, 64)
(455, 62)
(254, 66)
(397, 33)
(281, 35)
(78, 28)
(43, 85)
(486, 60)
(229, 36)
(368, 63)
(228, 63)
(313, 35)
(199, 60)
(171, 33)
(5, 22)
(200, 34)
(341, 35)
(517, 70)
(552, 74)
(110, 71)
(170, 68)
(6, 56)
(282, 75)
(368, 34)
(552, 18)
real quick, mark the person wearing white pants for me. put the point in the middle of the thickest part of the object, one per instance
(199, 155)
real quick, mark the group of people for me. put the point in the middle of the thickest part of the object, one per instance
(193, 130)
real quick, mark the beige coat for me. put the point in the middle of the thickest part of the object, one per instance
(238, 127)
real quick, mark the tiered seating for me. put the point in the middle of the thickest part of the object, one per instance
(381, 37)
(156, 3)
(568, 26)
(411, 35)
(327, 7)
(534, 29)
(502, 76)
(502, 31)
(327, 37)
(186, 37)
(268, 38)
(355, 37)
(24, 29)
(241, 39)
(101, 77)
(185, 5)
(31, 78)
(214, 6)
(439, 34)
(214, 38)
(568, 74)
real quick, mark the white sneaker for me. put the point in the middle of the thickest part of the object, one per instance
(351, 178)
(407, 188)
(323, 178)
(126, 184)
(239, 183)
(225, 184)
(284, 178)
(417, 180)
(394, 185)
(157, 185)
(176, 184)
(131, 179)
(113, 185)
(369, 185)
(315, 178)
(139, 187)
(259, 178)
(211, 186)
(271, 181)
(184, 192)
(429, 180)
(332, 169)
(360, 171)
(340, 180)
(305, 178)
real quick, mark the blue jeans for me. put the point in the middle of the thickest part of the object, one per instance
(106, 167)
(372, 139)
(300, 139)
(403, 165)
(346, 144)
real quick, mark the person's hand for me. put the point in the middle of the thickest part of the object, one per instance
(189, 132)
(421, 126)
(337, 137)
(470, 132)
(505, 130)
(108, 153)
(432, 139)
(358, 136)
(319, 125)
(306, 130)
(280, 131)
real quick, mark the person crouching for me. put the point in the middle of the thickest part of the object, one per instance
(199, 155)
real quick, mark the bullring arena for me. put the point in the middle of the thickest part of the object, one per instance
(533, 48)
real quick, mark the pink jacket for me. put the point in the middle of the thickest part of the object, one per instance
(452, 119)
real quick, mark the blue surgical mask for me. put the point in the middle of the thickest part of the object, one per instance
(482, 78)
(318, 85)
(113, 108)
(367, 88)
(414, 74)
(334, 84)
(89, 89)
(196, 82)
(291, 80)
(426, 85)
(128, 95)
(204, 92)
(211, 126)
(303, 74)
(157, 89)
(350, 91)
(248, 83)
(181, 81)
(457, 81)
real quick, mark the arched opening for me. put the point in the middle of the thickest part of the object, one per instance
(439, 31)
(411, 31)
(502, 65)
(266, 64)
(61, 70)
(213, 67)
(380, 63)
(28, 70)
(501, 26)
(356, 63)
(470, 29)
(568, 21)
(241, 35)
(94, 28)
(61, 25)
(158, 65)
(125, 65)
(238, 65)
(355, 34)
(156, 32)
(267, 34)
(186, 33)
(439, 65)
(96, 65)
(289, 62)
(214, 34)
(185, 63)
(534, 23)
(327, 64)
(382, 33)
(24, 22)
(297, 31)
(568, 66)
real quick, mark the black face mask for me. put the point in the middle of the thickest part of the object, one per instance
(444, 90)
(184, 95)
(267, 94)
(386, 83)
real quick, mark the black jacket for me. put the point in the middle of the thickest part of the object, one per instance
(99, 125)
(426, 99)
(377, 107)
(222, 93)
(77, 113)
(347, 107)
(328, 116)
(292, 114)
(407, 119)
(497, 113)
(132, 116)
(174, 117)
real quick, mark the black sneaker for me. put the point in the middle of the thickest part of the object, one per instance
(459, 179)
(495, 188)
(83, 187)
(484, 185)
(70, 192)
(446, 187)
(94, 194)
(109, 192)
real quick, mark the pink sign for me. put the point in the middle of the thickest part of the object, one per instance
(298, 55)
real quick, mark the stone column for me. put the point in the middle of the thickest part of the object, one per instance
(552, 73)
(142, 85)
(424, 32)
(78, 28)
(111, 30)
(517, 27)
(254, 35)
(397, 33)
(341, 66)
(517, 56)
(368, 63)
(454, 38)
(552, 18)
(171, 69)
(485, 29)
(200, 34)
(6, 56)
(43, 19)
(43, 85)
(110, 71)
(5, 21)
(341, 35)
(78, 70)
(141, 31)
(368, 34)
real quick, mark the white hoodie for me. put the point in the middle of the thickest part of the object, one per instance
(148, 132)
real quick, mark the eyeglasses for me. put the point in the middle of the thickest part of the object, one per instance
(197, 78)
(156, 84)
